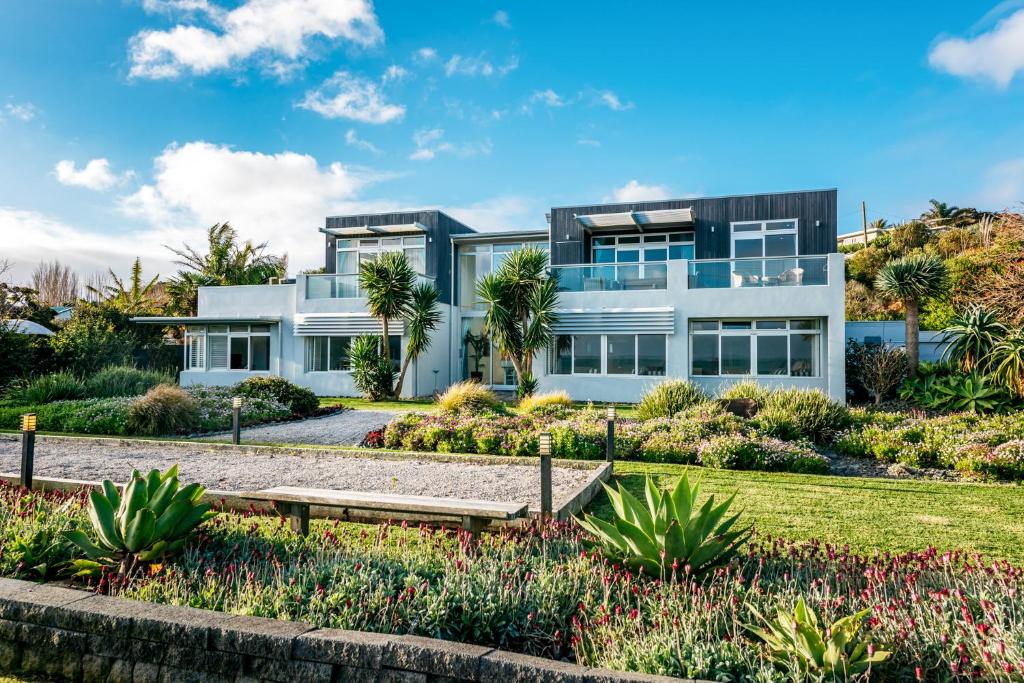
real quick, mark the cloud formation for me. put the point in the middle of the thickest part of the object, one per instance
(996, 55)
(430, 142)
(24, 111)
(278, 30)
(348, 96)
(633, 191)
(95, 175)
(461, 65)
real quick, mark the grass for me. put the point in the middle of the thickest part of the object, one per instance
(867, 514)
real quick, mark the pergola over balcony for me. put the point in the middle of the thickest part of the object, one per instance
(371, 230)
(596, 222)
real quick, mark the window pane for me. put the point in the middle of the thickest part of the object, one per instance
(736, 325)
(650, 239)
(654, 254)
(705, 354)
(679, 251)
(803, 351)
(621, 354)
(803, 324)
(771, 324)
(780, 245)
(736, 355)
(781, 225)
(650, 354)
(218, 351)
(338, 353)
(348, 262)
(632, 239)
(604, 256)
(627, 256)
(260, 353)
(587, 354)
(259, 329)
(561, 355)
(746, 227)
(218, 328)
(391, 241)
(417, 259)
(704, 325)
(240, 328)
(395, 351)
(316, 354)
(601, 241)
(343, 244)
(747, 248)
(239, 353)
(414, 241)
(771, 355)
(368, 243)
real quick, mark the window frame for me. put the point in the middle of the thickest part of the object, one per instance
(752, 333)
(664, 241)
(491, 250)
(763, 232)
(309, 338)
(552, 355)
(202, 334)
(362, 245)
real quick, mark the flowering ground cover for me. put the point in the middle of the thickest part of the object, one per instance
(941, 615)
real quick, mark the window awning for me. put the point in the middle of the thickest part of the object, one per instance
(660, 320)
(371, 230)
(342, 324)
(636, 219)
(207, 320)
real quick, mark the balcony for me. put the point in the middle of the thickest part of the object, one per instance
(342, 286)
(612, 277)
(787, 271)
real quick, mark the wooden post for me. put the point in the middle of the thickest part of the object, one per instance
(28, 448)
(545, 476)
(298, 518)
(864, 221)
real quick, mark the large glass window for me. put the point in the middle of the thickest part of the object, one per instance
(351, 252)
(654, 248)
(612, 354)
(477, 260)
(224, 347)
(331, 354)
(764, 348)
(757, 239)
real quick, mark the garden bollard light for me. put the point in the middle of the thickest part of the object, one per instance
(609, 451)
(236, 420)
(28, 448)
(545, 476)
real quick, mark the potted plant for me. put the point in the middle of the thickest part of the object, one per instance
(480, 345)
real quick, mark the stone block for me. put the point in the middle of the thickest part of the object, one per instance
(512, 667)
(38, 603)
(257, 636)
(184, 626)
(354, 674)
(10, 655)
(349, 648)
(437, 657)
(95, 668)
(144, 672)
(117, 647)
(120, 671)
(228, 664)
(400, 676)
(35, 636)
(286, 671)
(170, 674)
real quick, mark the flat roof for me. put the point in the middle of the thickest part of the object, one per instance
(501, 235)
(205, 319)
(689, 199)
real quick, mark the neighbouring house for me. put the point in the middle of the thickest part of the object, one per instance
(894, 333)
(715, 290)
(20, 326)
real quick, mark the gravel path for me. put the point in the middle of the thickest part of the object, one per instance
(347, 428)
(233, 471)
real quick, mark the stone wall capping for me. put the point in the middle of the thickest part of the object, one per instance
(73, 635)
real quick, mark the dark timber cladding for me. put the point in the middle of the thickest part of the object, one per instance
(440, 227)
(815, 210)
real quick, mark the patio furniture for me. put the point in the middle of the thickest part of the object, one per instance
(473, 515)
(793, 276)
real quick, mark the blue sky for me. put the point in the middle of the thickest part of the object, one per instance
(129, 124)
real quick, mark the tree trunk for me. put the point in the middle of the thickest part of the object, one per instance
(913, 336)
(401, 375)
(385, 347)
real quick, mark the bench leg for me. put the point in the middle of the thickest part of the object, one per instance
(473, 525)
(298, 517)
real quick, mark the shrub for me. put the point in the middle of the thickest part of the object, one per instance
(747, 389)
(165, 409)
(59, 386)
(373, 373)
(551, 399)
(881, 369)
(469, 396)
(300, 400)
(1002, 462)
(794, 414)
(214, 408)
(736, 452)
(124, 380)
(668, 398)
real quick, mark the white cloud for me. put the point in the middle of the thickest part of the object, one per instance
(997, 55)
(280, 29)
(95, 175)
(425, 54)
(345, 95)
(430, 142)
(633, 191)
(588, 142)
(1004, 185)
(394, 73)
(26, 111)
(501, 19)
(279, 198)
(461, 65)
(612, 101)
(548, 98)
(353, 140)
(499, 213)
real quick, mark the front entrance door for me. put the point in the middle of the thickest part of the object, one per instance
(481, 360)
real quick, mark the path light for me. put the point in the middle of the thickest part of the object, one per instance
(545, 476)
(28, 448)
(609, 450)
(236, 420)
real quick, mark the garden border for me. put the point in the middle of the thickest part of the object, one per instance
(230, 500)
(69, 634)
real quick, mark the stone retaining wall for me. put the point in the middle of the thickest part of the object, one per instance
(74, 635)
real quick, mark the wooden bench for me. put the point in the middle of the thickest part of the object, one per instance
(294, 502)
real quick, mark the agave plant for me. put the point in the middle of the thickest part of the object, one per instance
(150, 519)
(798, 640)
(670, 531)
(972, 393)
(971, 337)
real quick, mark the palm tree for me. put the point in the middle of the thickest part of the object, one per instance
(521, 301)
(944, 214)
(424, 317)
(135, 298)
(911, 280)
(226, 262)
(1007, 364)
(971, 337)
(388, 281)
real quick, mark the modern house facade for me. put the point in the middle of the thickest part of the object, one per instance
(715, 290)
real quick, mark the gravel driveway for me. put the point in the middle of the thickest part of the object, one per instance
(347, 428)
(230, 470)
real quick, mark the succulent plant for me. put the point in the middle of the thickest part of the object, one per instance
(150, 519)
(669, 532)
(797, 640)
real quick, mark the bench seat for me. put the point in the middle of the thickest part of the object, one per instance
(294, 502)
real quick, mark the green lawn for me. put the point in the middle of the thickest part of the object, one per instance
(894, 515)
